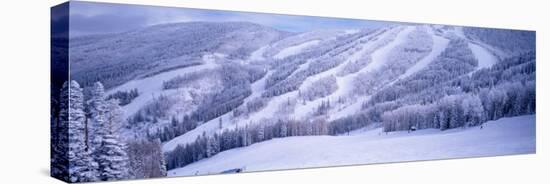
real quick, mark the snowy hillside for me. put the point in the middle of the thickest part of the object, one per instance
(501, 137)
(227, 91)
(223, 95)
(159, 48)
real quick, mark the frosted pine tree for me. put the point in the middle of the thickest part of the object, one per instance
(473, 110)
(212, 146)
(114, 116)
(98, 112)
(162, 160)
(112, 159)
(284, 130)
(109, 152)
(59, 160)
(82, 168)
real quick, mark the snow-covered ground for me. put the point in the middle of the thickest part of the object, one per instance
(514, 135)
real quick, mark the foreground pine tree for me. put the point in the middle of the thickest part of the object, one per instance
(82, 168)
(112, 159)
(98, 111)
(59, 159)
(108, 150)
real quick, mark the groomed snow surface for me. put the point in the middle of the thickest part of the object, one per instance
(514, 135)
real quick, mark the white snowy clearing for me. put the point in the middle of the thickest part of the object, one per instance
(484, 58)
(515, 135)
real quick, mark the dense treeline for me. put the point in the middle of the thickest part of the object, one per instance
(510, 42)
(362, 119)
(153, 111)
(146, 159)
(320, 88)
(124, 97)
(174, 129)
(462, 110)
(206, 146)
(185, 79)
(236, 87)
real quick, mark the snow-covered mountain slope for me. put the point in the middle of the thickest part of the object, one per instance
(505, 136)
(163, 47)
(273, 104)
(204, 78)
(151, 87)
(369, 56)
(345, 83)
(439, 43)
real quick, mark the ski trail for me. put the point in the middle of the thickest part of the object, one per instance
(439, 45)
(482, 51)
(213, 125)
(484, 58)
(274, 103)
(345, 84)
(342, 81)
(151, 87)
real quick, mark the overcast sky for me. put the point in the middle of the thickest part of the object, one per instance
(96, 18)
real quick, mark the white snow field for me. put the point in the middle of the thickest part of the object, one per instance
(484, 58)
(514, 135)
